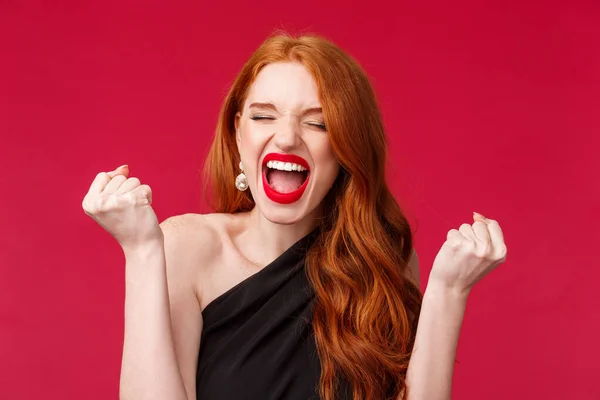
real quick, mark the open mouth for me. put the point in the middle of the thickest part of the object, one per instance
(285, 177)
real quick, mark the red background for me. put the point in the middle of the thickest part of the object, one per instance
(489, 108)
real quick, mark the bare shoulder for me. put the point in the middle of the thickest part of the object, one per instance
(192, 232)
(192, 241)
(184, 224)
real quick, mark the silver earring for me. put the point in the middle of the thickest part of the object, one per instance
(241, 183)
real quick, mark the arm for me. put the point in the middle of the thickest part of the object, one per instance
(429, 374)
(163, 321)
(434, 354)
(468, 255)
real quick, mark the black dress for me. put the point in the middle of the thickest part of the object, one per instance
(257, 342)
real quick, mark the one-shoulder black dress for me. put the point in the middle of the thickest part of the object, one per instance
(257, 342)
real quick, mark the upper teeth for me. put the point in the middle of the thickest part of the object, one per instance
(285, 166)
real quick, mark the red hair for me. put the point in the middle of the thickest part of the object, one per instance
(366, 309)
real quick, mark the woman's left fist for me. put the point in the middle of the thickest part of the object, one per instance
(469, 254)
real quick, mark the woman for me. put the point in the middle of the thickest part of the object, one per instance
(300, 285)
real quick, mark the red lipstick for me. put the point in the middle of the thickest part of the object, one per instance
(284, 198)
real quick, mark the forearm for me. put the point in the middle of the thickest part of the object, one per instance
(429, 374)
(149, 366)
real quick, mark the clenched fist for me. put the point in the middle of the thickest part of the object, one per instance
(469, 254)
(122, 206)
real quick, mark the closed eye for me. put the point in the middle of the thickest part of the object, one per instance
(261, 117)
(317, 125)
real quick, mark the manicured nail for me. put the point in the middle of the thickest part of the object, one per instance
(479, 215)
(123, 166)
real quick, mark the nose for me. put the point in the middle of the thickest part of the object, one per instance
(287, 136)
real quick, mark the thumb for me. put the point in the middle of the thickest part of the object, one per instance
(479, 217)
(122, 170)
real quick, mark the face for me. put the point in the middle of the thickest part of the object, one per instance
(284, 144)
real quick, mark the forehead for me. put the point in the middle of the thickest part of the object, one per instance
(286, 84)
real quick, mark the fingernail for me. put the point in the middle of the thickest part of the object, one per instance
(479, 215)
(123, 166)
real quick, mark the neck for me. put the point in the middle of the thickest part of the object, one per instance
(263, 240)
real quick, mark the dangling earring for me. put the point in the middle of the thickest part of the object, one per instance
(241, 183)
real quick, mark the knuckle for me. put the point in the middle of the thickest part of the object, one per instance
(484, 250)
(129, 198)
(100, 204)
(453, 245)
(501, 252)
(85, 204)
(92, 204)
(470, 246)
(145, 191)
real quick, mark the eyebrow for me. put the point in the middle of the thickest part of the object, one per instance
(263, 105)
(271, 106)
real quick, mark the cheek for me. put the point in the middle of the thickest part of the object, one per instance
(250, 145)
(326, 158)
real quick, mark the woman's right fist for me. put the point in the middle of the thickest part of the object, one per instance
(122, 206)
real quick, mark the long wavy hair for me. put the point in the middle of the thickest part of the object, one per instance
(366, 309)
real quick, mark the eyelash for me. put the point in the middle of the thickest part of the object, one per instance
(259, 117)
(320, 126)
